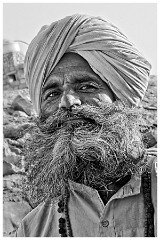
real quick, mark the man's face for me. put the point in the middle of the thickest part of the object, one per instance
(96, 143)
(73, 82)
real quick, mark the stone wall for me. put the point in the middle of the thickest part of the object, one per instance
(13, 71)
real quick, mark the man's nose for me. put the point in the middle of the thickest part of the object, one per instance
(69, 100)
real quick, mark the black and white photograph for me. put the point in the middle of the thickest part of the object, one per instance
(79, 119)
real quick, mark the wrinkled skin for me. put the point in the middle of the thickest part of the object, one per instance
(71, 83)
(81, 134)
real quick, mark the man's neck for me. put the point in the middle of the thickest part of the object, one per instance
(108, 191)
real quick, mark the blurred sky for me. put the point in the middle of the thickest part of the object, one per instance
(138, 21)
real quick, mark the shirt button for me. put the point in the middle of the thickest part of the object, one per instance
(105, 223)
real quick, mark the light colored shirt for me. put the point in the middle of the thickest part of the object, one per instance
(122, 216)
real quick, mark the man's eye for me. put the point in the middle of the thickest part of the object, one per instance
(88, 87)
(53, 94)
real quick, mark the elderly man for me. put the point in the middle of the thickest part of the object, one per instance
(88, 171)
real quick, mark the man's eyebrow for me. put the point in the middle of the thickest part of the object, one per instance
(81, 78)
(86, 78)
(49, 85)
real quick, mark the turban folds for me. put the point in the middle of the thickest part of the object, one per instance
(108, 51)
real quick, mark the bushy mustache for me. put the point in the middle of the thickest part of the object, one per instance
(84, 114)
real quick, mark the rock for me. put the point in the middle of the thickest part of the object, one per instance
(15, 143)
(12, 182)
(15, 150)
(6, 149)
(19, 114)
(10, 111)
(5, 103)
(15, 205)
(5, 118)
(12, 132)
(7, 169)
(15, 132)
(12, 159)
(11, 146)
(22, 140)
(22, 104)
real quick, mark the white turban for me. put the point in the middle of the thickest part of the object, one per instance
(109, 53)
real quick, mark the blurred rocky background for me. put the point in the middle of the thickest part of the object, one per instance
(18, 113)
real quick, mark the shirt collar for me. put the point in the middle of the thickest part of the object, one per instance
(129, 189)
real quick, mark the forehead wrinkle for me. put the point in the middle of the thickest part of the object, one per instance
(63, 69)
(71, 61)
(56, 80)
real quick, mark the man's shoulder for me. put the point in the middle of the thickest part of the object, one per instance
(35, 221)
(40, 210)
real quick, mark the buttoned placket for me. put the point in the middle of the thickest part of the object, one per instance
(106, 221)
